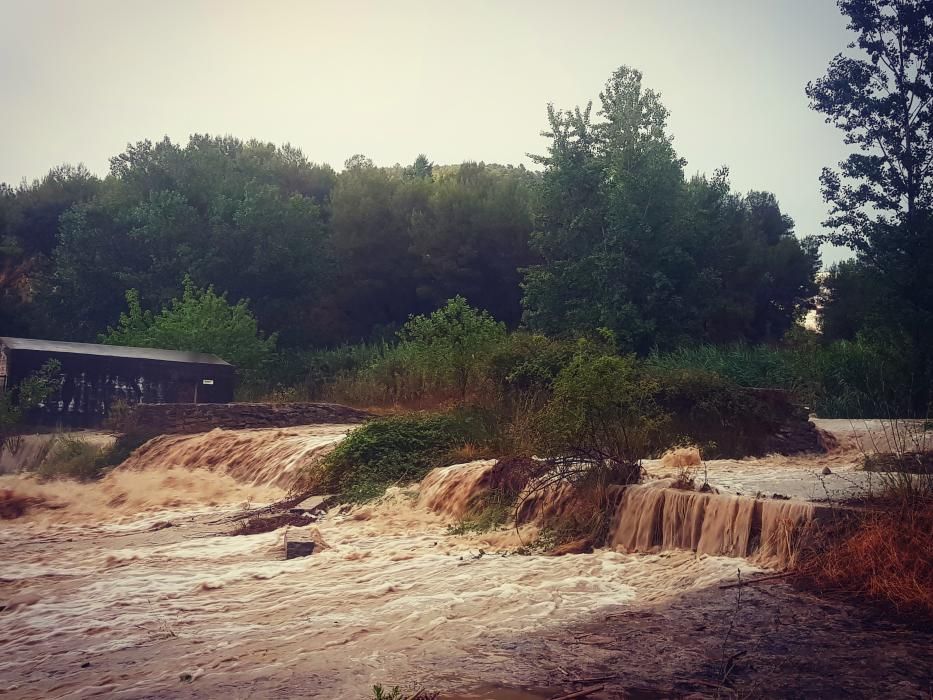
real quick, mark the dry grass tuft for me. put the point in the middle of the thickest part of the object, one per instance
(881, 557)
(469, 452)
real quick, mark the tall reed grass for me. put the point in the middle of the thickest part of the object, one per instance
(844, 379)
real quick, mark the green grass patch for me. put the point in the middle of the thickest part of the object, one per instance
(396, 449)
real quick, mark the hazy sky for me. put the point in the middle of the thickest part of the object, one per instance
(457, 81)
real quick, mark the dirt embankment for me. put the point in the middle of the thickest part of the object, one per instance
(187, 418)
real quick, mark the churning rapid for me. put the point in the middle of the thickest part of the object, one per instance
(133, 588)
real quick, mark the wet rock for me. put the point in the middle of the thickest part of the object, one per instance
(303, 542)
(294, 549)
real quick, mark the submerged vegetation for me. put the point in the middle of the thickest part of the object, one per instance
(73, 458)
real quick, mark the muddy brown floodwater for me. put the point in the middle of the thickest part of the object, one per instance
(133, 589)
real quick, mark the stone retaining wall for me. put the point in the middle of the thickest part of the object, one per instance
(174, 418)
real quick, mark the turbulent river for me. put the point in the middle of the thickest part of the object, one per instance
(133, 588)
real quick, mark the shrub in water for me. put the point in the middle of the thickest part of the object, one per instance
(603, 418)
(74, 458)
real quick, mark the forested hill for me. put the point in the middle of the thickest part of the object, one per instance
(608, 232)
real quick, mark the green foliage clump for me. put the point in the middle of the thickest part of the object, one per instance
(395, 449)
(529, 363)
(603, 418)
(200, 321)
(746, 365)
(439, 357)
(862, 378)
(454, 342)
(723, 418)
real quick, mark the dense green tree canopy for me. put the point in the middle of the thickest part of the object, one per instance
(407, 239)
(610, 235)
(628, 244)
(29, 224)
(247, 217)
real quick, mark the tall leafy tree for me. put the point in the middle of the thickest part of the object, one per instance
(849, 300)
(248, 217)
(200, 320)
(407, 239)
(29, 221)
(32, 221)
(628, 244)
(881, 197)
(372, 212)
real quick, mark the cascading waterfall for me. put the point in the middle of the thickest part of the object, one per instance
(267, 457)
(652, 519)
(649, 518)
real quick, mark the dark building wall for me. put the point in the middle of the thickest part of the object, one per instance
(91, 384)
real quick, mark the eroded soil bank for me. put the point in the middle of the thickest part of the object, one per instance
(150, 598)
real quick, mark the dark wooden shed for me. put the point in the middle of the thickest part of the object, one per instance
(96, 376)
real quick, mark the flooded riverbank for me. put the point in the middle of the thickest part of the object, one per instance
(150, 598)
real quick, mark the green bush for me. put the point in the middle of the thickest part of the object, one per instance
(860, 379)
(440, 357)
(396, 449)
(454, 343)
(17, 401)
(529, 363)
(750, 366)
(602, 419)
(200, 321)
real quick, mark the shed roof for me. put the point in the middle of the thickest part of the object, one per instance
(60, 346)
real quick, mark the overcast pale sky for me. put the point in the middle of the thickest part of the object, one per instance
(457, 81)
